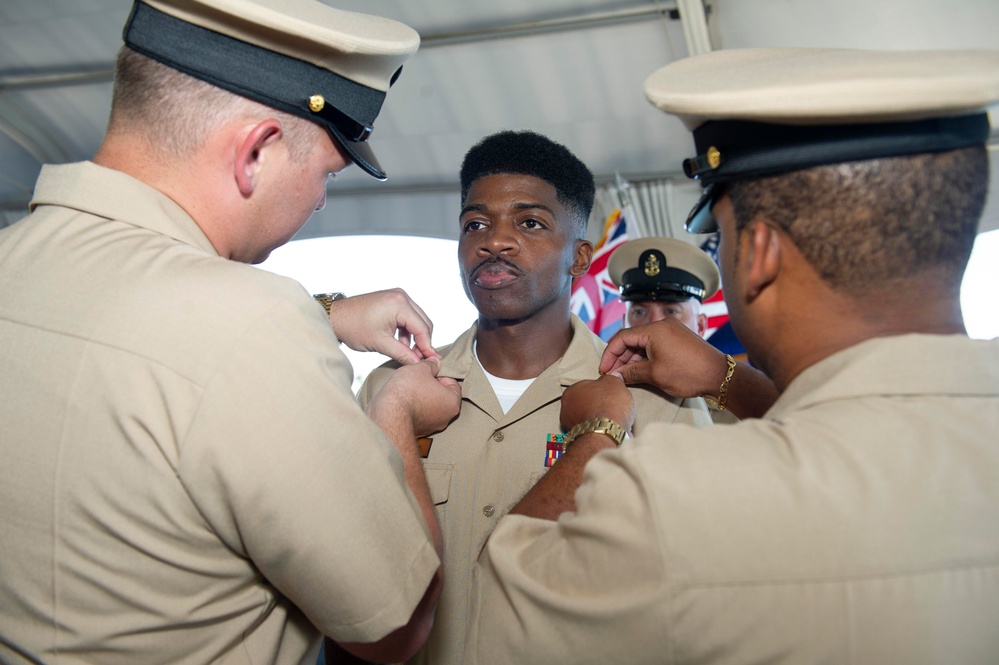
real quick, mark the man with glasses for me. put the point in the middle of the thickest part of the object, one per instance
(853, 522)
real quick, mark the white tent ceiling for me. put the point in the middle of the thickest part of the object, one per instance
(570, 69)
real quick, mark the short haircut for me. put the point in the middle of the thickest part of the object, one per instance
(177, 112)
(869, 223)
(529, 153)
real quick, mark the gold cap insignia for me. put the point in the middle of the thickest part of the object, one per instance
(316, 103)
(652, 265)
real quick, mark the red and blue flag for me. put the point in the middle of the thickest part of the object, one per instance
(595, 298)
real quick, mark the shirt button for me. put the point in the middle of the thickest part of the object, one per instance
(498, 436)
(488, 511)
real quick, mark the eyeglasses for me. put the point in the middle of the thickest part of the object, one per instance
(700, 219)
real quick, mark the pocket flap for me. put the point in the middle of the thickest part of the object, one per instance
(439, 481)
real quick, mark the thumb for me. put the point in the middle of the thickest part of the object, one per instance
(399, 352)
(434, 362)
(451, 384)
(636, 372)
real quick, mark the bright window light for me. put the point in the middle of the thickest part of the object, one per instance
(426, 268)
(980, 289)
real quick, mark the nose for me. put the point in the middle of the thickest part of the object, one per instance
(499, 240)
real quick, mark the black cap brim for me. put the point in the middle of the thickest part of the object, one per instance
(359, 152)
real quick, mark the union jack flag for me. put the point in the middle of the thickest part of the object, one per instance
(595, 299)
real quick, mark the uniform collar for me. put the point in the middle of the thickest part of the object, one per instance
(579, 362)
(576, 364)
(84, 186)
(903, 365)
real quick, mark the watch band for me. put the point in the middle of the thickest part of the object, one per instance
(326, 299)
(723, 391)
(594, 426)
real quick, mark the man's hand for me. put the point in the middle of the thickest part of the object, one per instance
(388, 322)
(415, 398)
(606, 397)
(665, 354)
(668, 355)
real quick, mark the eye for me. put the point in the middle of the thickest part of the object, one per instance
(532, 223)
(638, 311)
(473, 225)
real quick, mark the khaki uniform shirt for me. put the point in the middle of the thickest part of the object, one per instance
(858, 522)
(186, 476)
(485, 461)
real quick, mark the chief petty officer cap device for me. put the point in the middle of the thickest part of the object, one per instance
(302, 57)
(756, 112)
(664, 269)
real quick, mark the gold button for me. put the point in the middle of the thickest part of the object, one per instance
(316, 103)
(488, 511)
(498, 436)
(714, 157)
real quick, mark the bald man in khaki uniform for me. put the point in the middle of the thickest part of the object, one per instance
(525, 203)
(854, 522)
(186, 476)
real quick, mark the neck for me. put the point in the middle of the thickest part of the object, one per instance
(193, 188)
(923, 304)
(131, 154)
(523, 348)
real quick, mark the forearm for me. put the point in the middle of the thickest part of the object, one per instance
(751, 393)
(555, 493)
(399, 430)
(597, 414)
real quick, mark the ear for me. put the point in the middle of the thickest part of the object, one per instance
(702, 324)
(763, 256)
(252, 150)
(583, 254)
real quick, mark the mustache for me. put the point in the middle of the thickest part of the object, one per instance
(496, 260)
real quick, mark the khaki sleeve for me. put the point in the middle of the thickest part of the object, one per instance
(587, 586)
(288, 470)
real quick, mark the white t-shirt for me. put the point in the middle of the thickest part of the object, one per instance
(508, 391)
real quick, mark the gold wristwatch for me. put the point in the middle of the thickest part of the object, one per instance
(594, 426)
(326, 300)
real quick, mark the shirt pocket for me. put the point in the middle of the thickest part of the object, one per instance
(439, 481)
